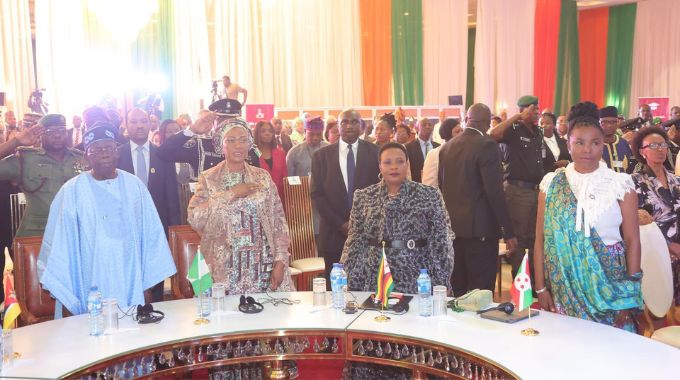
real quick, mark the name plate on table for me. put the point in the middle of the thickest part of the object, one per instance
(294, 180)
(395, 299)
(500, 316)
(192, 187)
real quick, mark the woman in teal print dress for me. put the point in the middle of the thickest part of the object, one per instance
(584, 267)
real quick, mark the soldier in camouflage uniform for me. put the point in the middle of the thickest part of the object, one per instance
(40, 172)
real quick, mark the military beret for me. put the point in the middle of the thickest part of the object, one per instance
(527, 100)
(100, 131)
(609, 111)
(52, 121)
(226, 107)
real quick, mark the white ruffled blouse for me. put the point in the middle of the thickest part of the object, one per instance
(597, 199)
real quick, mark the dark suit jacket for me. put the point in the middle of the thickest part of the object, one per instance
(286, 143)
(472, 187)
(549, 159)
(162, 183)
(416, 159)
(329, 194)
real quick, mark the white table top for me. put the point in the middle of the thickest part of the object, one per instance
(566, 348)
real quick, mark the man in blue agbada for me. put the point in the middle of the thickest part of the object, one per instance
(103, 229)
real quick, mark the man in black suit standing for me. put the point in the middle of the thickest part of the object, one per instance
(555, 152)
(282, 139)
(337, 171)
(472, 187)
(140, 157)
(420, 147)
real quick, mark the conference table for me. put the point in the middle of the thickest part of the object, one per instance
(457, 345)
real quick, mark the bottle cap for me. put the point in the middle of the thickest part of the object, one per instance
(94, 287)
(423, 270)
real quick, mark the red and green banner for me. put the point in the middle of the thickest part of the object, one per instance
(606, 55)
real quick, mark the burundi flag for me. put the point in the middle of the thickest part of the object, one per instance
(521, 286)
(12, 309)
(385, 282)
(199, 274)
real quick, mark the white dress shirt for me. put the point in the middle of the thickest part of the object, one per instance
(423, 146)
(551, 142)
(133, 149)
(431, 168)
(343, 157)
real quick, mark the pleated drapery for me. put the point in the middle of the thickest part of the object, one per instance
(407, 52)
(376, 51)
(592, 36)
(504, 53)
(17, 77)
(620, 57)
(656, 67)
(567, 84)
(445, 39)
(547, 27)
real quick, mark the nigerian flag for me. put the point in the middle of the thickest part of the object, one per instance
(521, 286)
(199, 274)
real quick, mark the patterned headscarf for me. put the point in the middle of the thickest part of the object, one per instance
(228, 125)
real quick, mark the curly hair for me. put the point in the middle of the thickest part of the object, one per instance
(640, 137)
(584, 114)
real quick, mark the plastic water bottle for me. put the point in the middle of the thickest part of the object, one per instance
(424, 294)
(94, 310)
(338, 285)
(205, 304)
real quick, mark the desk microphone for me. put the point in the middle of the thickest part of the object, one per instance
(506, 307)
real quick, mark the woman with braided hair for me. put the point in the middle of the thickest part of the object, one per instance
(584, 267)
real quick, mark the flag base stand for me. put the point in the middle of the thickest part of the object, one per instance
(201, 321)
(530, 332)
(382, 318)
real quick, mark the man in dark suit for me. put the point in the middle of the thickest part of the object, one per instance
(140, 157)
(337, 171)
(555, 151)
(472, 187)
(420, 147)
(282, 139)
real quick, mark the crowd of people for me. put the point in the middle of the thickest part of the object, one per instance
(103, 190)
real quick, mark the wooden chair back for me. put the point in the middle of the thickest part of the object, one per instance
(298, 209)
(184, 242)
(36, 304)
(17, 204)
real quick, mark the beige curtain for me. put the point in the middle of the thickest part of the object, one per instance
(17, 78)
(656, 52)
(445, 35)
(504, 53)
(80, 60)
(293, 53)
(191, 59)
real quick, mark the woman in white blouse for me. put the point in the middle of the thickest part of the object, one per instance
(584, 267)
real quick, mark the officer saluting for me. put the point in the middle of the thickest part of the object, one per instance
(40, 172)
(196, 145)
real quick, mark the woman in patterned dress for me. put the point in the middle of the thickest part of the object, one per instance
(584, 267)
(412, 220)
(659, 192)
(237, 211)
